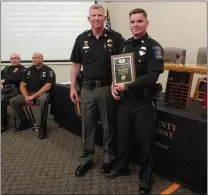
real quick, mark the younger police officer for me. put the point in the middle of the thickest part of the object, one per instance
(10, 75)
(93, 49)
(35, 87)
(137, 101)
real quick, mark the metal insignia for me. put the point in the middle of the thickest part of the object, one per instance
(15, 70)
(144, 48)
(110, 42)
(44, 74)
(86, 46)
(141, 53)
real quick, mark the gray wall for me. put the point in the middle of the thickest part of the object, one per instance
(176, 24)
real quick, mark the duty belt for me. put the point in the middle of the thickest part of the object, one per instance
(96, 83)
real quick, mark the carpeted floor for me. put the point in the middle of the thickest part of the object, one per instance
(33, 166)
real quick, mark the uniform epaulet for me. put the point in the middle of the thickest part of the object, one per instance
(153, 42)
(85, 32)
(30, 67)
(6, 67)
(129, 40)
(113, 32)
(47, 68)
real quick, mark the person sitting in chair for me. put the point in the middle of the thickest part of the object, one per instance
(36, 87)
(10, 82)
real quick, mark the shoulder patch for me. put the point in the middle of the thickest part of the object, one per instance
(51, 74)
(158, 52)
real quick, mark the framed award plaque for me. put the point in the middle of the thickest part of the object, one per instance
(178, 88)
(200, 90)
(123, 68)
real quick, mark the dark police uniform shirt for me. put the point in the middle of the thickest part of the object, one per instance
(94, 54)
(148, 60)
(13, 74)
(37, 78)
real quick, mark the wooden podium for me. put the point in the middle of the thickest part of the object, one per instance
(179, 83)
(202, 69)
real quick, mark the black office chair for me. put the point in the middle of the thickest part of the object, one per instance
(30, 115)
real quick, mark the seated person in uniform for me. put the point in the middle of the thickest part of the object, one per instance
(36, 87)
(10, 82)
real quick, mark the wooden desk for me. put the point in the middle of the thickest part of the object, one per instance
(202, 69)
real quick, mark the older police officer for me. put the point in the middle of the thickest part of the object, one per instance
(35, 87)
(10, 76)
(137, 103)
(93, 49)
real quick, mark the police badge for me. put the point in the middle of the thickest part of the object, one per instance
(15, 70)
(43, 74)
(86, 46)
(110, 42)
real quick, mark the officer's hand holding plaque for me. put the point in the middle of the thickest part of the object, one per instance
(123, 68)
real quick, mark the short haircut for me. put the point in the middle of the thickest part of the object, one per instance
(96, 6)
(138, 11)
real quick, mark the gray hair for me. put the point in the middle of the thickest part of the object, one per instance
(96, 6)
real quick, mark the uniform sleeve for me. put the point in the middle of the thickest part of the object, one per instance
(155, 66)
(155, 58)
(121, 44)
(51, 77)
(3, 72)
(76, 55)
(24, 76)
(23, 69)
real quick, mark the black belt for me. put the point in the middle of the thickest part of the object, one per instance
(96, 83)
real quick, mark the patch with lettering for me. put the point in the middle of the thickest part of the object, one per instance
(51, 74)
(158, 53)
